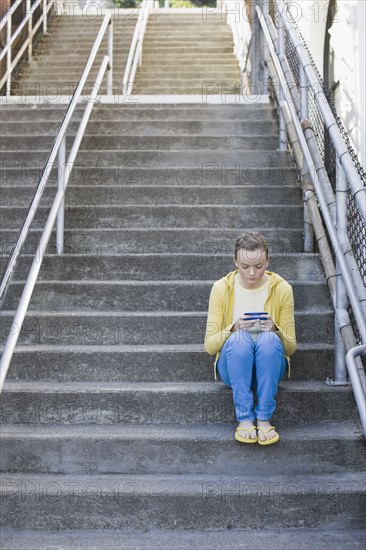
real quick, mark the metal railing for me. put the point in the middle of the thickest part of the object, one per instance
(135, 53)
(32, 29)
(57, 209)
(344, 276)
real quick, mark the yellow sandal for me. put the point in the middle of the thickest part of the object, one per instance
(268, 441)
(242, 439)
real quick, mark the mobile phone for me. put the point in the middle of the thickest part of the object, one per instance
(261, 315)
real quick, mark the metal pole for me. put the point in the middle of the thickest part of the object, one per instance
(354, 299)
(8, 55)
(281, 51)
(353, 177)
(304, 98)
(30, 25)
(355, 379)
(265, 50)
(44, 16)
(61, 176)
(110, 55)
(41, 250)
(340, 371)
(254, 53)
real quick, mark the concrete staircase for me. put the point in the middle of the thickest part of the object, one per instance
(60, 56)
(186, 54)
(114, 434)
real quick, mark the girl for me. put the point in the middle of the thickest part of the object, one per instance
(251, 353)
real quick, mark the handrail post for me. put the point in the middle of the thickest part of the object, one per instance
(281, 51)
(30, 26)
(8, 55)
(265, 50)
(340, 369)
(303, 114)
(110, 55)
(61, 175)
(255, 50)
(304, 97)
(45, 17)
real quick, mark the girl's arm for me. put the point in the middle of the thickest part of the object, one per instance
(216, 332)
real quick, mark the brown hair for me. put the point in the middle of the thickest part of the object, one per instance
(251, 241)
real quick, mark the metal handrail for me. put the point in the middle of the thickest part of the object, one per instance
(358, 190)
(107, 23)
(357, 302)
(354, 375)
(11, 37)
(354, 299)
(58, 203)
(135, 53)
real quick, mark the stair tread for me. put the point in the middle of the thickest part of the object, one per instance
(21, 348)
(191, 484)
(326, 430)
(98, 387)
(324, 537)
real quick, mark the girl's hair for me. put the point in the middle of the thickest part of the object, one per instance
(251, 241)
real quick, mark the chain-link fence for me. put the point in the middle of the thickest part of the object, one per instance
(355, 224)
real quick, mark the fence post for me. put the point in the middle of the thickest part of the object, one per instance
(44, 16)
(340, 374)
(304, 98)
(280, 52)
(255, 57)
(61, 174)
(30, 27)
(110, 55)
(265, 49)
(8, 55)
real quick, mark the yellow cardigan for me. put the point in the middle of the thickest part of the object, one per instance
(279, 304)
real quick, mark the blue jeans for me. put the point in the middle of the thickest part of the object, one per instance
(246, 364)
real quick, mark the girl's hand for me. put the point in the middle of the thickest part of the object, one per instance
(267, 325)
(264, 325)
(243, 324)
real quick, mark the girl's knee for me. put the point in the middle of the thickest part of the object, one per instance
(240, 342)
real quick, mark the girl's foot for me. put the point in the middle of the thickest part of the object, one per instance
(266, 436)
(246, 432)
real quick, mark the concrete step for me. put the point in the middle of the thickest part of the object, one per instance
(150, 195)
(175, 449)
(163, 216)
(147, 143)
(199, 90)
(141, 327)
(32, 501)
(140, 111)
(189, 47)
(210, 73)
(174, 363)
(156, 267)
(196, 80)
(145, 128)
(205, 57)
(183, 39)
(154, 403)
(164, 159)
(15, 173)
(114, 242)
(321, 537)
(132, 295)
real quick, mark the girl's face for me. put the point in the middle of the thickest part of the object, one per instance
(252, 265)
